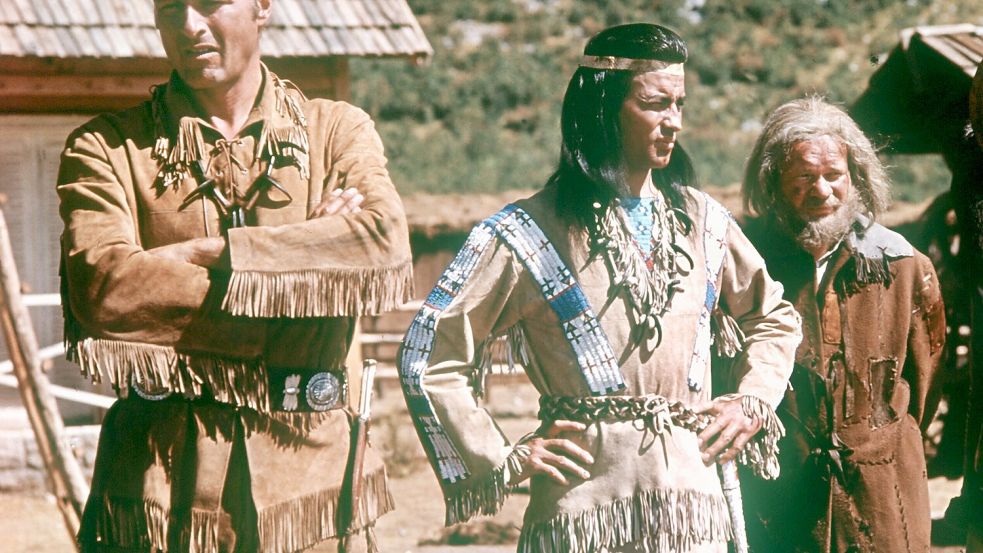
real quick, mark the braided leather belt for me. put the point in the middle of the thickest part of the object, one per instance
(654, 411)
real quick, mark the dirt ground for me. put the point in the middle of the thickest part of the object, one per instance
(32, 524)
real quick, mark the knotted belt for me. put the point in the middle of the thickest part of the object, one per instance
(657, 415)
(656, 412)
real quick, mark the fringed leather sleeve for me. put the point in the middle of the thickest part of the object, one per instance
(761, 331)
(346, 265)
(112, 289)
(761, 453)
(767, 327)
(438, 362)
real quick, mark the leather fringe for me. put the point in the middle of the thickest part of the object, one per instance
(480, 497)
(657, 521)
(761, 453)
(512, 346)
(320, 292)
(202, 535)
(159, 369)
(303, 522)
(727, 334)
(242, 383)
(285, 528)
(115, 359)
(146, 525)
(873, 270)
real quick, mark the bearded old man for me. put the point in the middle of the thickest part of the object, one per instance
(607, 283)
(220, 239)
(852, 463)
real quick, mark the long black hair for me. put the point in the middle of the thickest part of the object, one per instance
(592, 164)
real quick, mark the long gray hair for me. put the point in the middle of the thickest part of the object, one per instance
(807, 119)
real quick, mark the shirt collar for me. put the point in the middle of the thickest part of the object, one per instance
(181, 107)
(276, 121)
(824, 259)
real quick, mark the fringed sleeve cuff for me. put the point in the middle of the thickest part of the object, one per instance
(479, 496)
(326, 292)
(761, 453)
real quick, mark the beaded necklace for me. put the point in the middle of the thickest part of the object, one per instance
(647, 279)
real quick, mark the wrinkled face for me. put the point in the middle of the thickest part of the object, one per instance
(211, 43)
(651, 118)
(816, 178)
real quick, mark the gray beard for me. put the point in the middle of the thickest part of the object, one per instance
(826, 232)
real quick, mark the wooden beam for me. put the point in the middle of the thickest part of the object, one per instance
(84, 86)
(64, 474)
(63, 86)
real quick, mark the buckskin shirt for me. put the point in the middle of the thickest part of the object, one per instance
(522, 273)
(852, 461)
(232, 384)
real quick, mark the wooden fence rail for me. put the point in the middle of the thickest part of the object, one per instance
(64, 474)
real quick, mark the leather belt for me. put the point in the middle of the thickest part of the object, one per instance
(289, 390)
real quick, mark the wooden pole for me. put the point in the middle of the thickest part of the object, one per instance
(64, 474)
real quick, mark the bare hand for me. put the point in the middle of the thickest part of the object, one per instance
(339, 202)
(204, 252)
(730, 431)
(555, 457)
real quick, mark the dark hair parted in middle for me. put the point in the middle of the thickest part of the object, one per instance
(592, 166)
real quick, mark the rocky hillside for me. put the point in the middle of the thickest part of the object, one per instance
(484, 115)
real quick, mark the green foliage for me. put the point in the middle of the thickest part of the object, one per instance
(484, 115)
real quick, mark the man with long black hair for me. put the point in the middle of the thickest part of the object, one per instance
(612, 283)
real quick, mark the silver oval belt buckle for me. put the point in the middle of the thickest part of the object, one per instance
(323, 391)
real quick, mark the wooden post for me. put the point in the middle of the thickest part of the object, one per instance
(64, 474)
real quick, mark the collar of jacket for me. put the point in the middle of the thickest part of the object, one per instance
(869, 245)
(276, 121)
(872, 247)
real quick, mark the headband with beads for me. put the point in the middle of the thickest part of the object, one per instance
(631, 64)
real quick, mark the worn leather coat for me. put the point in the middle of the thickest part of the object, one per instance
(853, 475)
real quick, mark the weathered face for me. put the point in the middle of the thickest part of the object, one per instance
(651, 118)
(816, 178)
(211, 43)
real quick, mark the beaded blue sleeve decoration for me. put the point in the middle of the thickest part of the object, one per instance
(714, 249)
(526, 240)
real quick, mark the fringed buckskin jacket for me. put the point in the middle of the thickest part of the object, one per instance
(233, 385)
(524, 274)
(852, 461)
